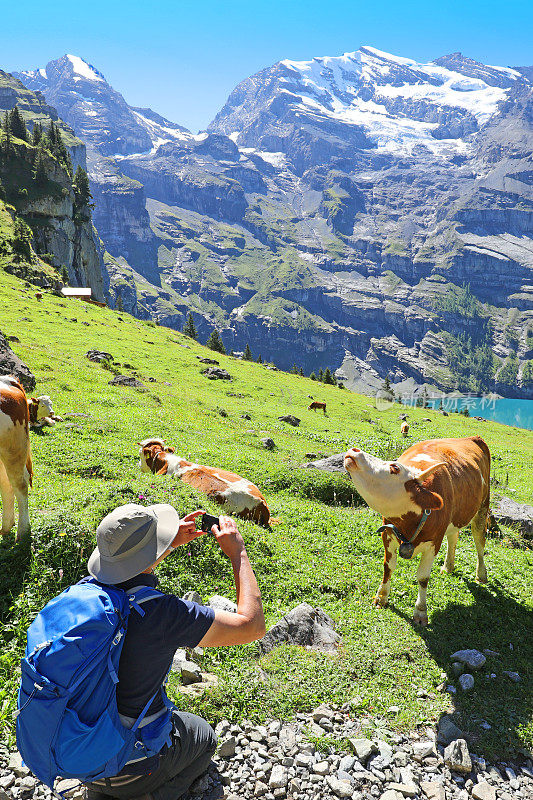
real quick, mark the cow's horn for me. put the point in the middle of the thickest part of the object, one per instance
(429, 470)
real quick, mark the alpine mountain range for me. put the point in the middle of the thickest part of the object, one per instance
(364, 212)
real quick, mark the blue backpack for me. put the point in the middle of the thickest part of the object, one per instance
(67, 718)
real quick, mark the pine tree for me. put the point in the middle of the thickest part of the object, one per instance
(39, 168)
(313, 376)
(22, 236)
(321, 374)
(189, 329)
(119, 303)
(215, 342)
(82, 195)
(294, 370)
(328, 377)
(36, 134)
(6, 135)
(259, 359)
(64, 274)
(302, 372)
(17, 125)
(247, 355)
(386, 384)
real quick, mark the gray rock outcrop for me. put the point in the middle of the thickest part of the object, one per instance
(10, 364)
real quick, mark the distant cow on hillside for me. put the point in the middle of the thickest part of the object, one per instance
(15, 459)
(316, 404)
(404, 428)
(433, 489)
(238, 495)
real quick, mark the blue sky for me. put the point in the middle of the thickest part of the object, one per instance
(182, 58)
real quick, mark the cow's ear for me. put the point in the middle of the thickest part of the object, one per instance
(423, 497)
(34, 400)
(147, 451)
(169, 450)
(394, 469)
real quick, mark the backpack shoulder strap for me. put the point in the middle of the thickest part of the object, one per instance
(141, 594)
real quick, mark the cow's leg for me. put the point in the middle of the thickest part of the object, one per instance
(479, 526)
(20, 481)
(452, 535)
(390, 543)
(8, 501)
(420, 616)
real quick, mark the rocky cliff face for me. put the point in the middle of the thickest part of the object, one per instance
(331, 213)
(62, 235)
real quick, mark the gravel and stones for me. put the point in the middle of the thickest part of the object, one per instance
(279, 760)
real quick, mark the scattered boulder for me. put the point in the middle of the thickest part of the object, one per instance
(447, 730)
(305, 626)
(98, 356)
(457, 757)
(268, 443)
(207, 360)
(513, 676)
(125, 380)
(472, 658)
(216, 374)
(10, 364)
(516, 515)
(190, 673)
(246, 416)
(466, 682)
(222, 603)
(290, 419)
(193, 596)
(333, 463)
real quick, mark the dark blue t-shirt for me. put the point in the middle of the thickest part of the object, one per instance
(151, 642)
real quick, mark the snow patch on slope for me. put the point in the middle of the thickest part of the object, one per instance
(84, 69)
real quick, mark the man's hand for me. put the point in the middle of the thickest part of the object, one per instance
(187, 530)
(228, 537)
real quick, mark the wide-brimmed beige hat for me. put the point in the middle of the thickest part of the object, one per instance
(130, 539)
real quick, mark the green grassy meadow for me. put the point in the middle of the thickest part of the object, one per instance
(324, 551)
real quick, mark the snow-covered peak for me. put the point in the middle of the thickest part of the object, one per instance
(84, 69)
(398, 101)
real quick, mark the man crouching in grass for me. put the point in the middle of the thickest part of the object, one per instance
(132, 541)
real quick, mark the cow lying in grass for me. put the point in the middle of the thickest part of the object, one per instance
(450, 479)
(41, 412)
(15, 459)
(236, 494)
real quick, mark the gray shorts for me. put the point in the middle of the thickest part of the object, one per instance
(193, 744)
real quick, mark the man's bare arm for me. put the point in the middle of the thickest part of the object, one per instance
(248, 623)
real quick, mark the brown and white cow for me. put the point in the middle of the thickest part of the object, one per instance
(404, 429)
(41, 412)
(450, 478)
(238, 495)
(15, 458)
(317, 404)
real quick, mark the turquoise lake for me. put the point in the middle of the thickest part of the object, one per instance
(507, 411)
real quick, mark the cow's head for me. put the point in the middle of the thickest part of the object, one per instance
(44, 406)
(391, 488)
(148, 449)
